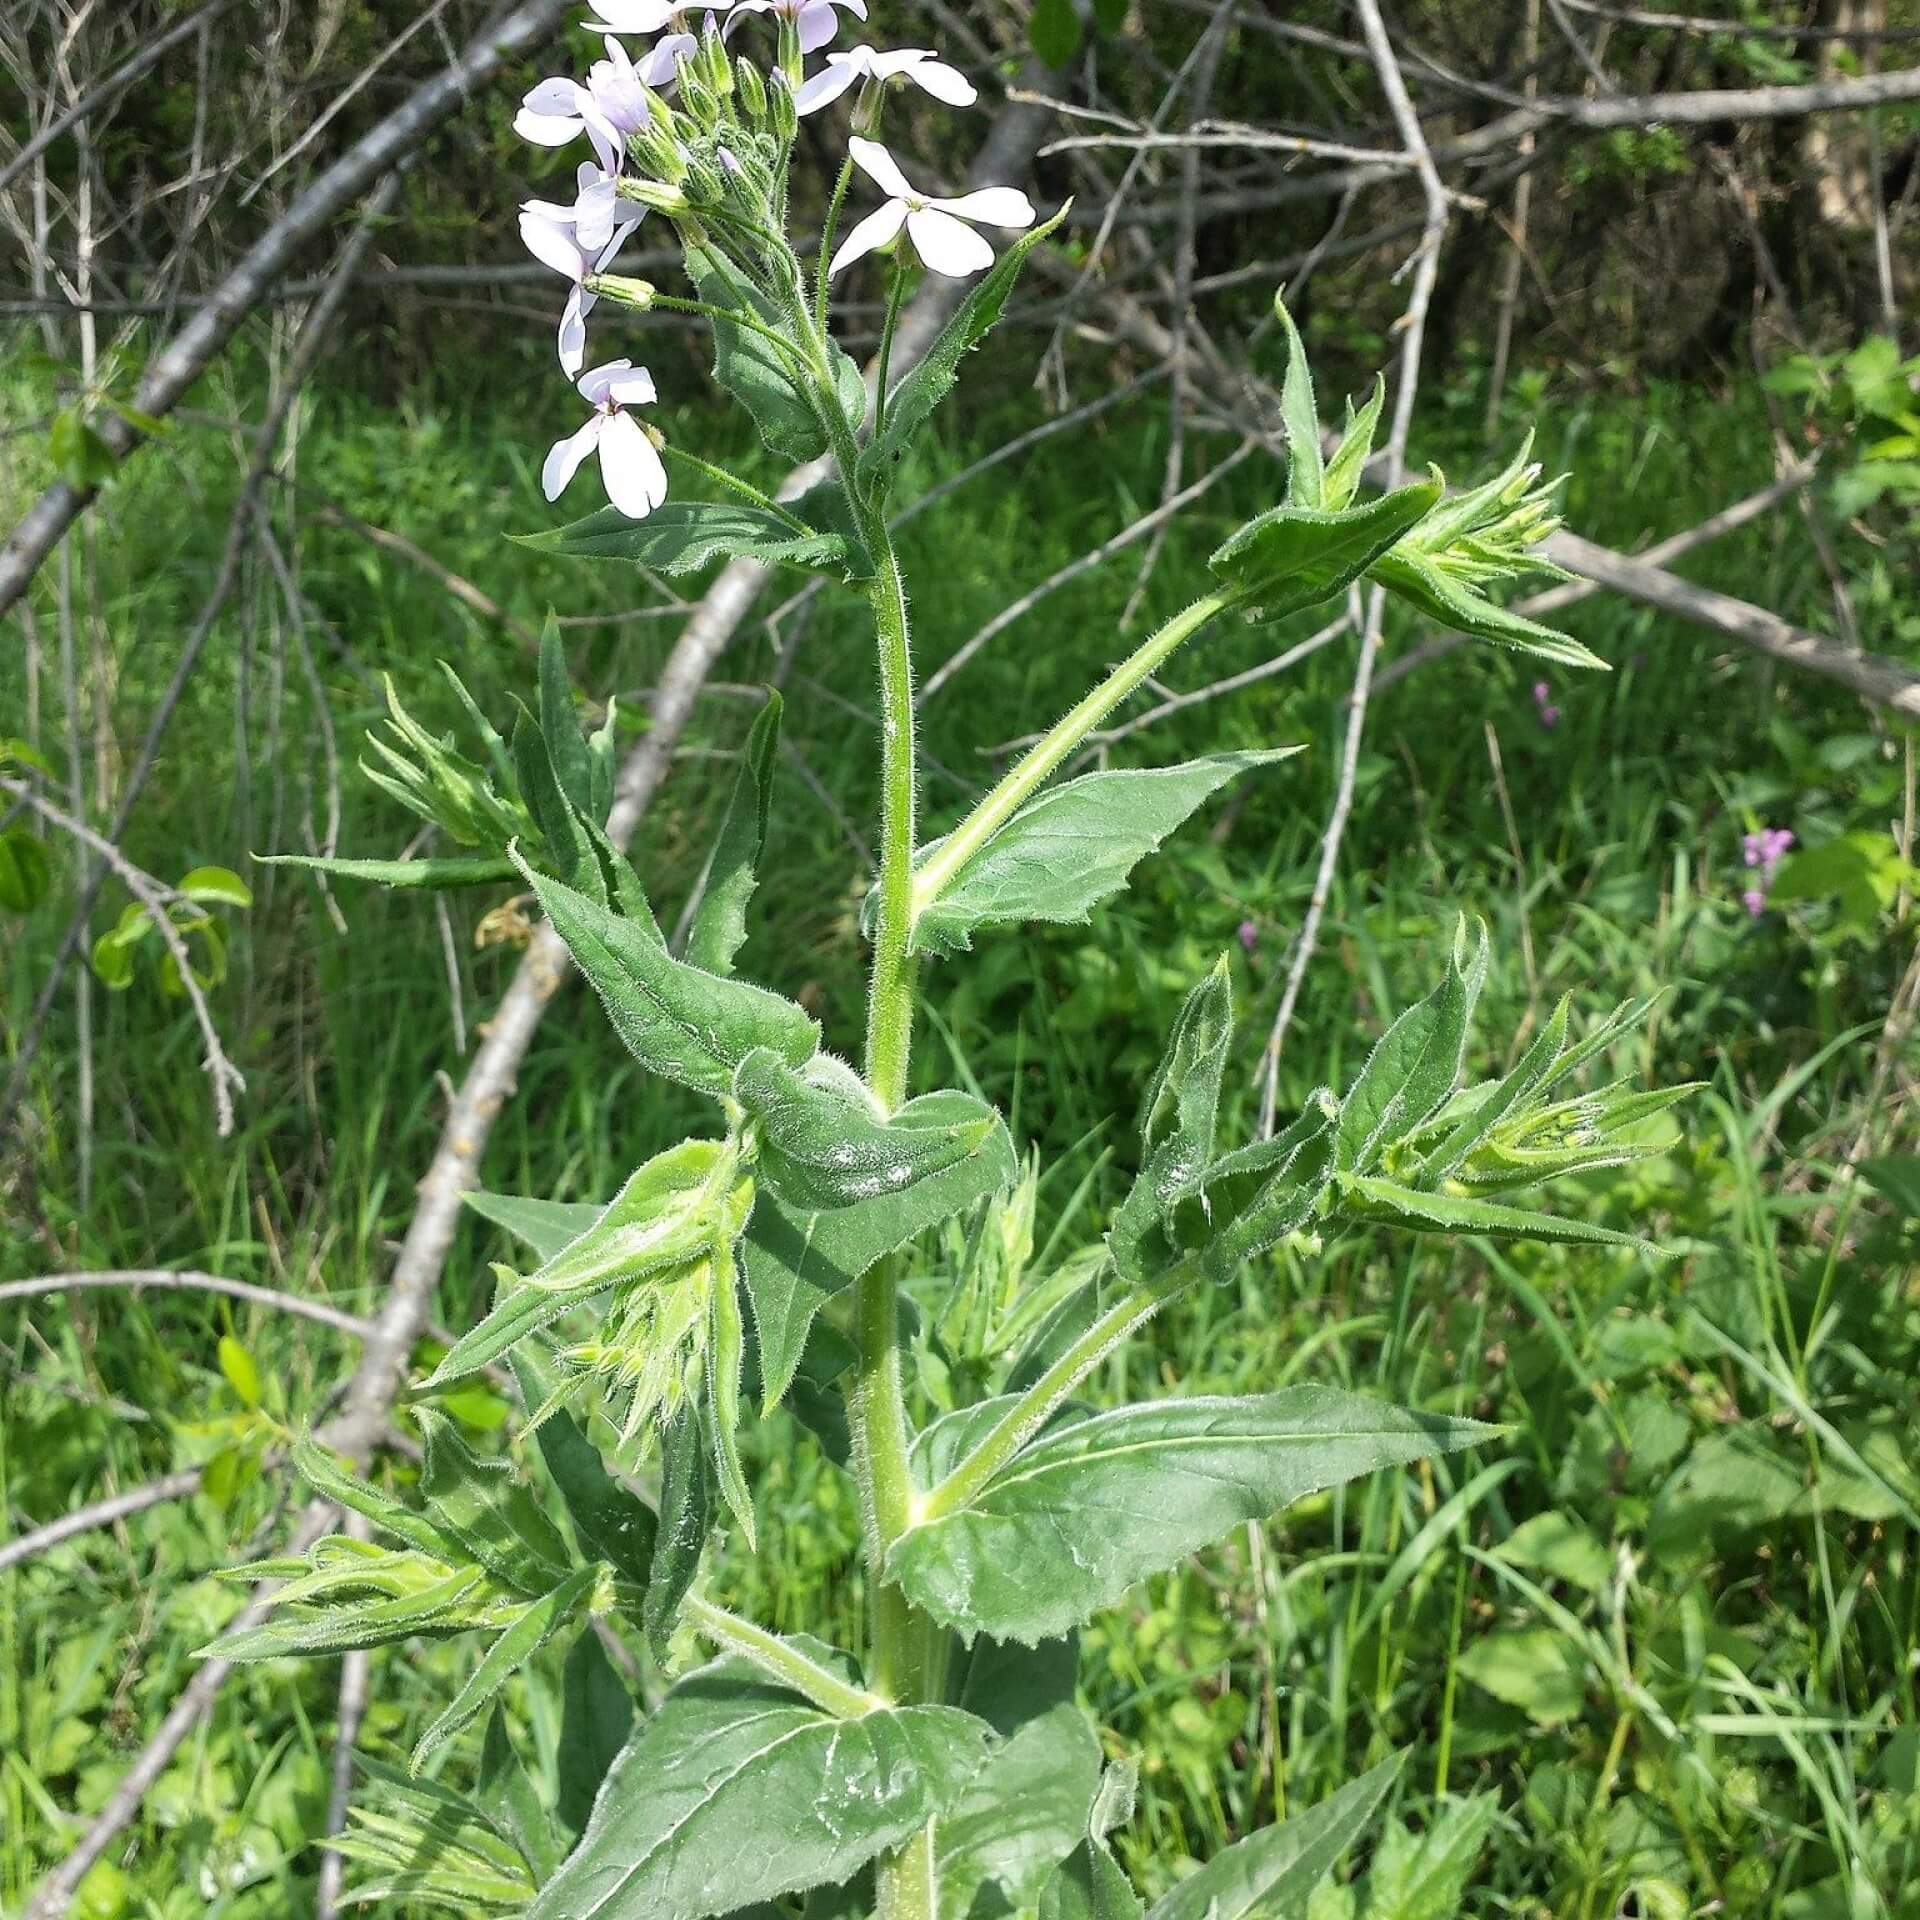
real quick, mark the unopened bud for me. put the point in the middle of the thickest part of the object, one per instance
(697, 99)
(622, 291)
(706, 182)
(657, 194)
(780, 107)
(753, 90)
(716, 68)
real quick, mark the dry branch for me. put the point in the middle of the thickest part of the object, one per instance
(102, 1513)
(168, 1280)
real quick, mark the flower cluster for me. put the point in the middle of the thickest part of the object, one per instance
(1762, 851)
(689, 127)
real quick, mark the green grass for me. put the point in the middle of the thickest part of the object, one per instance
(1671, 1622)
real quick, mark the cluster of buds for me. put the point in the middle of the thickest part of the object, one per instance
(1492, 533)
(694, 130)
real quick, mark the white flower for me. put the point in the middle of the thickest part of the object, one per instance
(560, 110)
(918, 64)
(661, 67)
(642, 16)
(936, 227)
(636, 482)
(816, 19)
(552, 236)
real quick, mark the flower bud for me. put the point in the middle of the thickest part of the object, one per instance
(697, 99)
(716, 68)
(705, 181)
(657, 194)
(786, 121)
(621, 290)
(753, 90)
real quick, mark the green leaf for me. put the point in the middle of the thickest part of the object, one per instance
(1090, 1885)
(1286, 1175)
(1533, 1668)
(1412, 1071)
(684, 535)
(1094, 1505)
(566, 742)
(547, 1226)
(1274, 1870)
(822, 1145)
(686, 1521)
(1350, 457)
(242, 1375)
(321, 1469)
(795, 1261)
(756, 372)
(682, 1023)
(1053, 31)
(1367, 1197)
(215, 886)
(1417, 580)
(564, 836)
(1426, 1878)
(1110, 15)
(596, 1717)
(486, 1508)
(1291, 558)
(430, 1607)
(1300, 417)
(1066, 851)
(430, 1847)
(613, 1525)
(518, 1310)
(933, 376)
(735, 1790)
(436, 876)
(720, 921)
(536, 1625)
(1025, 1812)
(15, 752)
(25, 873)
(505, 1794)
(725, 1358)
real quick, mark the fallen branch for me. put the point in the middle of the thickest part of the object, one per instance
(167, 1280)
(102, 1513)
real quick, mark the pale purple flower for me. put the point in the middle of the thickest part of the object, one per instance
(817, 20)
(1543, 704)
(643, 16)
(938, 228)
(1249, 936)
(1763, 851)
(558, 111)
(630, 465)
(1755, 901)
(918, 64)
(661, 67)
(552, 236)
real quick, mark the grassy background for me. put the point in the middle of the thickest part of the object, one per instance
(1669, 1629)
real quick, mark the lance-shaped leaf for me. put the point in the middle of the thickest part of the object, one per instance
(491, 1513)
(686, 1523)
(1363, 1197)
(1463, 607)
(1094, 1505)
(736, 1790)
(547, 1226)
(684, 1024)
(768, 382)
(725, 1359)
(1300, 416)
(612, 1524)
(596, 1717)
(1177, 1125)
(568, 752)
(1412, 1071)
(683, 536)
(539, 1621)
(1025, 1812)
(1572, 1136)
(795, 1260)
(934, 374)
(505, 1796)
(823, 1145)
(1291, 558)
(732, 870)
(423, 876)
(569, 849)
(426, 1846)
(1274, 1870)
(1262, 1193)
(1065, 852)
(1090, 1884)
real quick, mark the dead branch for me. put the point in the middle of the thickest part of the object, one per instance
(101, 1513)
(170, 1280)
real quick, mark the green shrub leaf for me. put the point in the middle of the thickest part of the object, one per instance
(684, 535)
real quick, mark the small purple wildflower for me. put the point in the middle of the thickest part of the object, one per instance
(1249, 936)
(1543, 704)
(1763, 851)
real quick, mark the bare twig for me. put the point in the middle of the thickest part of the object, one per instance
(167, 1279)
(101, 1513)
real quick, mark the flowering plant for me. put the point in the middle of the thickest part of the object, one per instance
(944, 1767)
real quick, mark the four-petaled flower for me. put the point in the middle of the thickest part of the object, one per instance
(816, 20)
(918, 64)
(630, 465)
(938, 228)
(553, 236)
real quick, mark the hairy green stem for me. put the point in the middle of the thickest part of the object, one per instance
(896, 285)
(673, 303)
(1040, 760)
(744, 488)
(780, 1658)
(1045, 1397)
(821, 265)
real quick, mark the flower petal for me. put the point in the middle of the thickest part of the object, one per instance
(598, 382)
(997, 206)
(564, 457)
(947, 84)
(630, 16)
(547, 129)
(552, 244)
(573, 331)
(818, 24)
(880, 167)
(629, 464)
(827, 85)
(632, 389)
(593, 214)
(874, 231)
(554, 96)
(947, 245)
